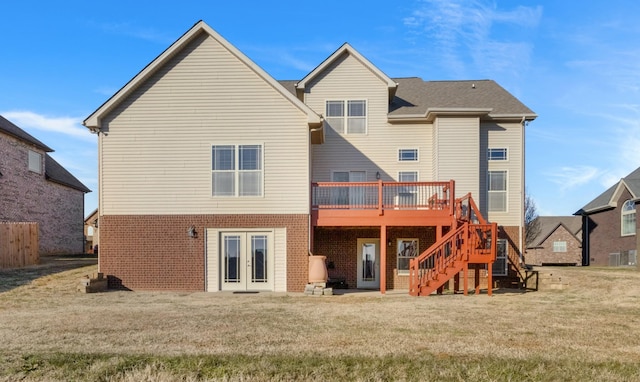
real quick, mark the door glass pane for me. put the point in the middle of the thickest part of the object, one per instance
(340, 195)
(357, 193)
(368, 262)
(232, 259)
(259, 259)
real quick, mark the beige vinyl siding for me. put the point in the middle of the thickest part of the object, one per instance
(509, 136)
(377, 150)
(156, 154)
(457, 153)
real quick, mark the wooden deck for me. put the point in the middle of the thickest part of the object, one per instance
(381, 203)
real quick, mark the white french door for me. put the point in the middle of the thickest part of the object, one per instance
(246, 261)
(369, 264)
(349, 195)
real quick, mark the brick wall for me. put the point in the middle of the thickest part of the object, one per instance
(546, 255)
(28, 196)
(154, 252)
(340, 247)
(605, 234)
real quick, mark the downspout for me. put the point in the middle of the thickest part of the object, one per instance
(523, 122)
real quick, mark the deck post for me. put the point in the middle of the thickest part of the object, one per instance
(383, 259)
(476, 277)
(465, 278)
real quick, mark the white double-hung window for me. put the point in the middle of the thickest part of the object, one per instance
(237, 170)
(347, 117)
(497, 191)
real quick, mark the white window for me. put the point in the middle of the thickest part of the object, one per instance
(406, 250)
(497, 154)
(497, 191)
(559, 246)
(35, 162)
(347, 117)
(500, 266)
(408, 155)
(236, 170)
(628, 216)
(407, 194)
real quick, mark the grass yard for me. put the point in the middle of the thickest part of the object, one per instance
(587, 331)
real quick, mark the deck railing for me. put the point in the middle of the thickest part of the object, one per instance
(382, 195)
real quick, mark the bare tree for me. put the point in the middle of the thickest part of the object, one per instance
(531, 222)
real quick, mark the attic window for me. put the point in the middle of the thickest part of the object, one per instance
(35, 162)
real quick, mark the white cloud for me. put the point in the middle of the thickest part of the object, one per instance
(462, 28)
(63, 125)
(571, 177)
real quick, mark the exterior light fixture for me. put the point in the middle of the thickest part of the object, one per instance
(377, 174)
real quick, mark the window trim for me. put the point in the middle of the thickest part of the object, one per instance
(504, 149)
(346, 117)
(505, 191)
(409, 149)
(236, 170)
(560, 246)
(624, 212)
(32, 159)
(398, 257)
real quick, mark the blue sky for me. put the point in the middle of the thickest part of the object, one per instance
(576, 64)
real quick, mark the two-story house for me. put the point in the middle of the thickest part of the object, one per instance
(610, 225)
(214, 176)
(36, 188)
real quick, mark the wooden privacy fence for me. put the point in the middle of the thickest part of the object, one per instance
(18, 244)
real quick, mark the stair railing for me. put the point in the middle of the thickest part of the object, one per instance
(440, 256)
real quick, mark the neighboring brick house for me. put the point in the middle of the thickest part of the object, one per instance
(610, 225)
(559, 241)
(36, 188)
(92, 232)
(215, 176)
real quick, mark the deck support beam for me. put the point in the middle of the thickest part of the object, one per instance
(383, 259)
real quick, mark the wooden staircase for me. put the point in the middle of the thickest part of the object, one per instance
(468, 242)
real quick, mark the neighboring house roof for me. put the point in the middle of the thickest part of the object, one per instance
(91, 217)
(93, 122)
(609, 198)
(54, 172)
(549, 224)
(8, 127)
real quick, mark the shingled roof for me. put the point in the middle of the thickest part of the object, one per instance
(548, 225)
(8, 127)
(416, 98)
(606, 200)
(53, 171)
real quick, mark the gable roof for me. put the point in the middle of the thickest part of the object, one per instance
(54, 172)
(418, 99)
(344, 50)
(609, 198)
(8, 127)
(549, 224)
(93, 122)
